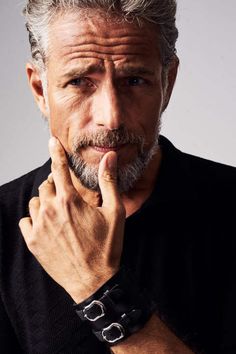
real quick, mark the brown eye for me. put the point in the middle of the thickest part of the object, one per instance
(133, 81)
(81, 82)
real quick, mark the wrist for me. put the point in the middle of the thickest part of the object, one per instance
(89, 286)
(118, 309)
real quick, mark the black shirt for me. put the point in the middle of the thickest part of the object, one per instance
(180, 243)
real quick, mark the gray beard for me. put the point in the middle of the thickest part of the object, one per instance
(127, 175)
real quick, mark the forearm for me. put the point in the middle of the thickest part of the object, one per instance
(154, 338)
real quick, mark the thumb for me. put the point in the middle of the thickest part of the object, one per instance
(107, 178)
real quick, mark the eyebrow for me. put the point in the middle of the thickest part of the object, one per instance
(135, 70)
(98, 68)
(84, 70)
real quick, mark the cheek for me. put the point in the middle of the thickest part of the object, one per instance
(66, 116)
(153, 114)
(63, 103)
(150, 125)
(145, 115)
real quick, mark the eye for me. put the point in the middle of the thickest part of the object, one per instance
(82, 82)
(134, 81)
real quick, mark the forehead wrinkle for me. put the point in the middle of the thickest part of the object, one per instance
(104, 45)
(104, 53)
(131, 64)
(70, 44)
(92, 46)
(92, 38)
(102, 56)
(87, 39)
(84, 69)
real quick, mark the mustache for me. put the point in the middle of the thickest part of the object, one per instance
(109, 138)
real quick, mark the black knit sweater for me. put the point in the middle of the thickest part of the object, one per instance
(180, 244)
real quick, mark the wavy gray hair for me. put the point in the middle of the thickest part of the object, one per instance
(40, 13)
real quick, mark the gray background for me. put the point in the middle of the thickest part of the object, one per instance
(201, 115)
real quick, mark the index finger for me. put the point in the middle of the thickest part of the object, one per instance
(60, 167)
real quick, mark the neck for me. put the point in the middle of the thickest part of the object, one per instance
(132, 199)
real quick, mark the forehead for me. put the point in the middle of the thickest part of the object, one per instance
(79, 38)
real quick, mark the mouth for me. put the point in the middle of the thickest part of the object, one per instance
(104, 149)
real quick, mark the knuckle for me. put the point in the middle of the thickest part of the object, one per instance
(59, 165)
(109, 177)
(43, 184)
(48, 211)
(33, 201)
(21, 223)
(64, 201)
(66, 198)
(32, 244)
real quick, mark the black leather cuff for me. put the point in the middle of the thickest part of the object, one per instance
(117, 309)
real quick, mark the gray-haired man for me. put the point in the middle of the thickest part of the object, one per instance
(117, 252)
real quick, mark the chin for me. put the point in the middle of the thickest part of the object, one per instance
(128, 173)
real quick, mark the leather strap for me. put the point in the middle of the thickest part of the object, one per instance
(117, 309)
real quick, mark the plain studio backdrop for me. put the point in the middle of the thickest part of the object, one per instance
(200, 118)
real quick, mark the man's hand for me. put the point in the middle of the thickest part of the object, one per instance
(79, 246)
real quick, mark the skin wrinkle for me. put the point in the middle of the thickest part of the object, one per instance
(99, 41)
(107, 57)
(102, 52)
(101, 56)
(88, 37)
(104, 42)
(140, 49)
(84, 70)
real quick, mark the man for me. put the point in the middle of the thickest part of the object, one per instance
(124, 244)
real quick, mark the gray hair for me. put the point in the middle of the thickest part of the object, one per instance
(40, 13)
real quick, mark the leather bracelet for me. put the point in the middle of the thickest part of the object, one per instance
(118, 309)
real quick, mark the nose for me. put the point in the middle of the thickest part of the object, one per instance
(106, 107)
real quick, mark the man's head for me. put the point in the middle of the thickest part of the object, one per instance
(102, 73)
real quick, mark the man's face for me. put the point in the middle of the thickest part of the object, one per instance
(105, 92)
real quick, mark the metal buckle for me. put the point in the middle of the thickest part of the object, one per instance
(118, 326)
(88, 307)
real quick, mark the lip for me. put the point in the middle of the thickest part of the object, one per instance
(105, 149)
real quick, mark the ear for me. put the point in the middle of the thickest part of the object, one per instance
(36, 86)
(169, 80)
